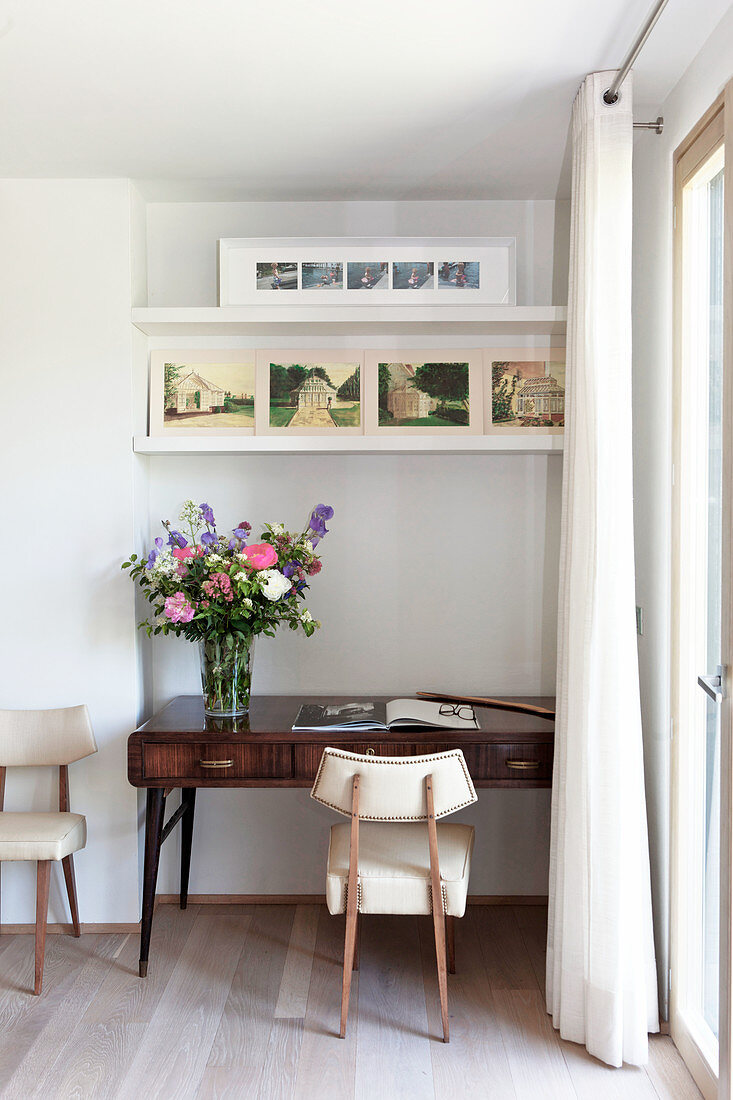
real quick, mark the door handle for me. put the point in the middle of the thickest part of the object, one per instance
(713, 685)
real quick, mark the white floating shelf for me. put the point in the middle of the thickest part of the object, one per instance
(353, 444)
(274, 321)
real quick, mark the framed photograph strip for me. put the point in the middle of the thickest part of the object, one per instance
(423, 392)
(202, 393)
(351, 271)
(524, 390)
(310, 392)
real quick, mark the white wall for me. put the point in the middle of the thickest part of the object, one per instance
(182, 237)
(438, 570)
(67, 494)
(652, 307)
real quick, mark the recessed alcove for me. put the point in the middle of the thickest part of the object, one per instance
(441, 566)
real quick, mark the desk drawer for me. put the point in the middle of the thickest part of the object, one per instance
(514, 761)
(531, 762)
(306, 758)
(171, 760)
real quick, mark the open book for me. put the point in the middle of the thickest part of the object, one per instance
(397, 714)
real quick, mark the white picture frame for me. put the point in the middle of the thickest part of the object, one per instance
(408, 360)
(550, 362)
(312, 416)
(484, 271)
(214, 374)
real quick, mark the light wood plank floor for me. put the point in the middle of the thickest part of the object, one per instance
(243, 1001)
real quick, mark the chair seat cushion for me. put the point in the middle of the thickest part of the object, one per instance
(394, 867)
(41, 836)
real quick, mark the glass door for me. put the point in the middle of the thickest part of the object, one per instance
(699, 676)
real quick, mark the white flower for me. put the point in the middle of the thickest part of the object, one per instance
(191, 514)
(277, 528)
(165, 564)
(213, 559)
(247, 604)
(161, 620)
(274, 584)
(305, 616)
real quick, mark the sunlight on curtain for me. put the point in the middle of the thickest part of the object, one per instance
(601, 979)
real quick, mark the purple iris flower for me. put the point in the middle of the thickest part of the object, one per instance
(176, 539)
(317, 522)
(152, 556)
(290, 568)
(208, 540)
(240, 536)
(208, 515)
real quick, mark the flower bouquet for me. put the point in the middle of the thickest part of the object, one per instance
(222, 591)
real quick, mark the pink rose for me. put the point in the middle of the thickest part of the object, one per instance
(180, 554)
(260, 555)
(178, 609)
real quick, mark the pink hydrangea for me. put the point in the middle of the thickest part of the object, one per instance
(178, 609)
(260, 555)
(218, 583)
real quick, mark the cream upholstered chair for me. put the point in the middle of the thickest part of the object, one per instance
(393, 858)
(34, 738)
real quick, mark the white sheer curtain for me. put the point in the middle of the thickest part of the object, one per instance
(601, 979)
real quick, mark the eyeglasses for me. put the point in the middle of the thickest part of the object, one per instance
(464, 711)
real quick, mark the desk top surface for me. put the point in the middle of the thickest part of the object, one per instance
(271, 718)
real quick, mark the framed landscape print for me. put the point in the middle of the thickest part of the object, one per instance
(202, 392)
(524, 390)
(309, 392)
(429, 392)
(277, 271)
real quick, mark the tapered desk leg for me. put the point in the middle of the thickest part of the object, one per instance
(188, 797)
(153, 840)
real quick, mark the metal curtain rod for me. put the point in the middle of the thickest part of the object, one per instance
(611, 94)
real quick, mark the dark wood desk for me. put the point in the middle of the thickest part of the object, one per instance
(180, 748)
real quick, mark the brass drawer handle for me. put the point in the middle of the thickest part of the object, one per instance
(522, 765)
(369, 752)
(216, 763)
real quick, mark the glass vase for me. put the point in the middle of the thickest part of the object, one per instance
(226, 674)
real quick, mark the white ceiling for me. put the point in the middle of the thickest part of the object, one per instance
(320, 99)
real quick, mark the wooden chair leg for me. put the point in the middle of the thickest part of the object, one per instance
(349, 945)
(43, 881)
(357, 941)
(70, 877)
(439, 928)
(450, 938)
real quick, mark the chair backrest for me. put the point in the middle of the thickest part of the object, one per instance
(38, 737)
(392, 788)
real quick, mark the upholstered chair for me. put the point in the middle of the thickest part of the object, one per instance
(32, 738)
(394, 857)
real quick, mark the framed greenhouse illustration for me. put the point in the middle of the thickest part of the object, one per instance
(202, 392)
(428, 392)
(309, 392)
(524, 390)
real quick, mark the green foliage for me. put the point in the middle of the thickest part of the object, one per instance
(350, 390)
(283, 380)
(454, 414)
(443, 380)
(384, 383)
(503, 391)
(171, 374)
(347, 418)
(320, 372)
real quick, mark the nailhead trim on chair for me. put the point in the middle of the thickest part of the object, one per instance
(384, 760)
(443, 890)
